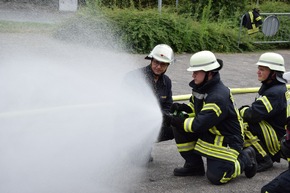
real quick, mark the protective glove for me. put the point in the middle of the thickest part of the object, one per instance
(177, 122)
(167, 119)
(180, 107)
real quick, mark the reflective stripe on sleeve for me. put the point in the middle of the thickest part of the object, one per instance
(266, 103)
(188, 125)
(214, 107)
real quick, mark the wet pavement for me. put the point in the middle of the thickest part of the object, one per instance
(239, 71)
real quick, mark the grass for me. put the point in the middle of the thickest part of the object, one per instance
(26, 27)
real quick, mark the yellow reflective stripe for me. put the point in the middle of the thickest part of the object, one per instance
(238, 169)
(249, 142)
(235, 174)
(255, 143)
(182, 147)
(212, 106)
(271, 138)
(252, 20)
(266, 103)
(214, 131)
(254, 30)
(191, 105)
(258, 18)
(219, 140)
(242, 112)
(251, 17)
(225, 179)
(220, 152)
(287, 96)
(188, 124)
(288, 159)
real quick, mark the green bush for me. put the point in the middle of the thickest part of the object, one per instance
(138, 31)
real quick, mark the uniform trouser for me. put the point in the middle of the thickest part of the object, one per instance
(165, 133)
(264, 140)
(218, 171)
(280, 184)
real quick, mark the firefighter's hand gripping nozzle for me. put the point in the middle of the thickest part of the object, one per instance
(180, 114)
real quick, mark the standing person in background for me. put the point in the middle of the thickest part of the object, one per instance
(265, 119)
(210, 126)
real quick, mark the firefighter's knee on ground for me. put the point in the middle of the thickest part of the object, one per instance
(213, 178)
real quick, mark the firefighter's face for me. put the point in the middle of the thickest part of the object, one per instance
(198, 76)
(263, 73)
(158, 67)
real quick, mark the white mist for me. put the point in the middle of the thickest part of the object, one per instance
(68, 125)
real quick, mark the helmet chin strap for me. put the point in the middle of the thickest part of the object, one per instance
(204, 80)
(270, 77)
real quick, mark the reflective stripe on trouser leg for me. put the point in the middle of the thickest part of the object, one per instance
(271, 139)
(220, 172)
(254, 141)
(221, 153)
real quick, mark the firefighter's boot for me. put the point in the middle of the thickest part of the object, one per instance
(190, 169)
(265, 164)
(251, 163)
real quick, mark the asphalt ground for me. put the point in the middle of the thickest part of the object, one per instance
(239, 71)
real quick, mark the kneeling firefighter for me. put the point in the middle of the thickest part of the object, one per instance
(265, 119)
(209, 126)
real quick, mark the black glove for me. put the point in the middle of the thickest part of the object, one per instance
(180, 107)
(167, 119)
(177, 122)
(174, 107)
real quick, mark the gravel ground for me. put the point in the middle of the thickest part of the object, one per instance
(239, 71)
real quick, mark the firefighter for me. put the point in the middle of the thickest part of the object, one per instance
(265, 119)
(280, 184)
(210, 126)
(160, 58)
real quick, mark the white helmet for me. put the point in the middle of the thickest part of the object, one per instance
(203, 60)
(162, 53)
(272, 60)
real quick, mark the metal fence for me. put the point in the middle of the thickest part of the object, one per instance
(275, 29)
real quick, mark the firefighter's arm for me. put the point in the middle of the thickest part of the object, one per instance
(182, 123)
(182, 107)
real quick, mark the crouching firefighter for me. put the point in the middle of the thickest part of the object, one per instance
(210, 126)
